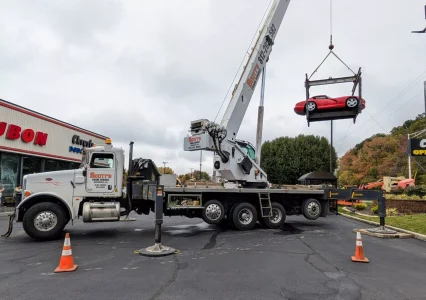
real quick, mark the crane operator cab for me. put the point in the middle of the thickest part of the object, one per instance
(247, 148)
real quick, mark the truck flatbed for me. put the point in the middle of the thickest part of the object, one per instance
(243, 190)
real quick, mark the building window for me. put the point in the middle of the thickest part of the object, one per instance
(31, 165)
(102, 160)
(74, 166)
(9, 173)
(50, 165)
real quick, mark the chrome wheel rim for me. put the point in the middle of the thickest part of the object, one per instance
(311, 106)
(352, 102)
(213, 212)
(277, 216)
(245, 216)
(45, 221)
(313, 209)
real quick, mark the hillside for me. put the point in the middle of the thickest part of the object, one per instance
(383, 155)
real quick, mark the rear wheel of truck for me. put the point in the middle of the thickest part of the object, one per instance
(44, 221)
(277, 219)
(213, 212)
(311, 209)
(244, 216)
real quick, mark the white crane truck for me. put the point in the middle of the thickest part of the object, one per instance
(94, 190)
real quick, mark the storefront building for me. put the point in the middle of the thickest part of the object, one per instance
(32, 143)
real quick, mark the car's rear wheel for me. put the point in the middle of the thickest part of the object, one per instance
(351, 102)
(311, 106)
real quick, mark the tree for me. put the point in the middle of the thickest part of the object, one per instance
(195, 175)
(168, 170)
(383, 155)
(285, 159)
(204, 175)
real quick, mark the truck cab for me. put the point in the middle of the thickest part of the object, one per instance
(94, 191)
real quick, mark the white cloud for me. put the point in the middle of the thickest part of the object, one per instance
(143, 70)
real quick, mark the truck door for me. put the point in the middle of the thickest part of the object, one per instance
(100, 175)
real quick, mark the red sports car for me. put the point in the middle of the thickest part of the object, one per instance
(325, 103)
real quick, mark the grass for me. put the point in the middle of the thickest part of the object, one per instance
(416, 222)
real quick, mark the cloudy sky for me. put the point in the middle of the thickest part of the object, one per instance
(143, 70)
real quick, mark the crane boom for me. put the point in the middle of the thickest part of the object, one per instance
(243, 93)
(235, 159)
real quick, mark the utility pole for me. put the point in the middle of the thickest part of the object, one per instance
(164, 169)
(191, 171)
(201, 159)
(260, 119)
(424, 87)
(331, 147)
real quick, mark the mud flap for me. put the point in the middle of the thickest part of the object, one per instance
(10, 227)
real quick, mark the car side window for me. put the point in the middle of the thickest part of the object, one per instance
(102, 160)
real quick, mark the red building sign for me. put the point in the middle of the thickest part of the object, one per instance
(28, 135)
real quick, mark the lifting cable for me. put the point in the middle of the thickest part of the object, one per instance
(331, 46)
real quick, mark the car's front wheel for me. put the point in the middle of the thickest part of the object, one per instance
(311, 106)
(351, 102)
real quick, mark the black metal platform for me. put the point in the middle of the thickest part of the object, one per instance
(332, 115)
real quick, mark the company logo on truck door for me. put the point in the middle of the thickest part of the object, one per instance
(193, 139)
(251, 81)
(28, 135)
(95, 175)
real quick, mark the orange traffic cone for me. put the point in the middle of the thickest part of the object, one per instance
(66, 264)
(359, 250)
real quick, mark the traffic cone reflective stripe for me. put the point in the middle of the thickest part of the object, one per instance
(359, 250)
(66, 264)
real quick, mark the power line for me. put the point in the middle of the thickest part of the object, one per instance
(409, 87)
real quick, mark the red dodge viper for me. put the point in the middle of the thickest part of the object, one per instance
(324, 103)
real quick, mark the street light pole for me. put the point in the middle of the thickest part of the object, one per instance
(164, 169)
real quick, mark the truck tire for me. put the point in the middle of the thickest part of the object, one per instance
(213, 212)
(44, 221)
(244, 216)
(277, 219)
(311, 209)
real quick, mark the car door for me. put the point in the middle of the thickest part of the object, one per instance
(325, 102)
(100, 174)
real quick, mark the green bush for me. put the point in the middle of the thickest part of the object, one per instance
(415, 191)
(397, 191)
(375, 209)
(360, 206)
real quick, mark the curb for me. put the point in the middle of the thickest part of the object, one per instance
(416, 235)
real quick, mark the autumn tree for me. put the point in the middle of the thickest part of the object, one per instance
(167, 169)
(383, 155)
(285, 159)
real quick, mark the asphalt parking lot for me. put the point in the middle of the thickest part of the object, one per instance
(305, 260)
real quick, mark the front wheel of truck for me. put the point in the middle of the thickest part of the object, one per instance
(44, 221)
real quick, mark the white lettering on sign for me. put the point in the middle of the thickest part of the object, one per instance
(423, 143)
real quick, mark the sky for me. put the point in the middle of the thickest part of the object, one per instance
(141, 71)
